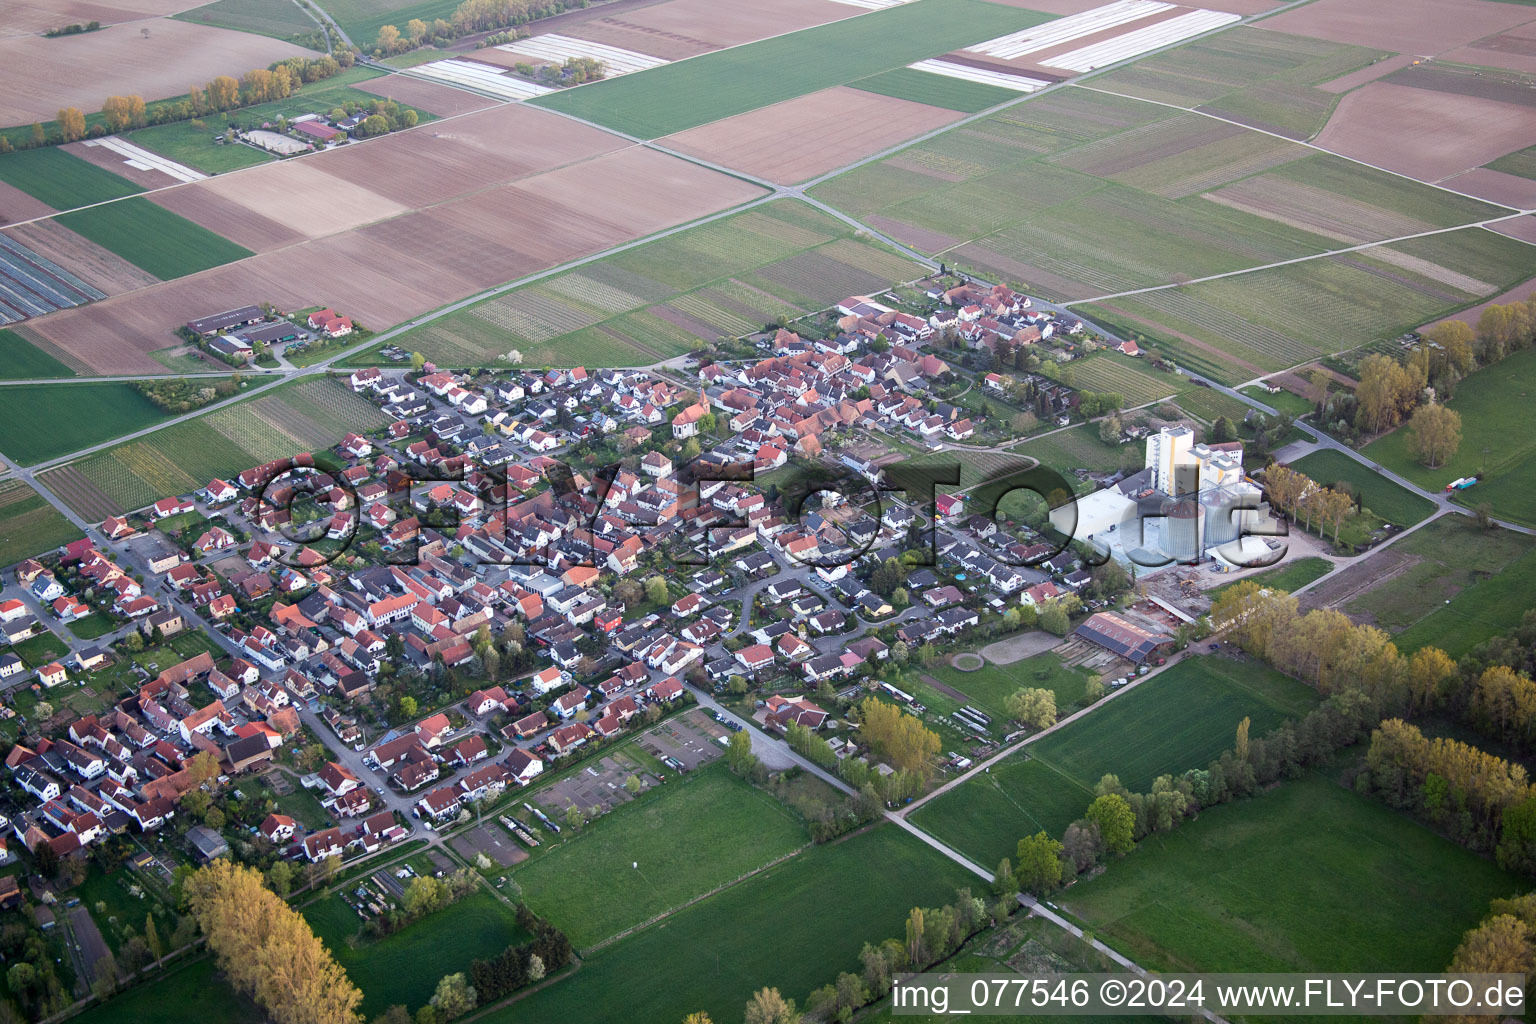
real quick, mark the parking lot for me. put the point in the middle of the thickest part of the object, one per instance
(690, 739)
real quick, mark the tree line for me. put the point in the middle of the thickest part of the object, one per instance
(183, 395)
(469, 17)
(1504, 942)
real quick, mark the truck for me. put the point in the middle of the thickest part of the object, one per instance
(1461, 483)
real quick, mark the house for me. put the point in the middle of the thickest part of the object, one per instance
(571, 702)
(278, 828)
(338, 779)
(1122, 637)
(483, 702)
(321, 845)
(524, 766)
(546, 679)
(569, 737)
(206, 843)
(433, 730)
(780, 712)
(755, 658)
(52, 674)
(469, 750)
(167, 507)
(440, 802)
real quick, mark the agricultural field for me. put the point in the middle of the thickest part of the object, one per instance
(281, 19)
(43, 421)
(153, 238)
(195, 148)
(1391, 502)
(1496, 441)
(1079, 447)
(1239, 327)
(692, 836)
(28, 524)
(1307, 877)
(404, 968)
(794, 926)
(304, 417)
(1180, 719)
(1252, 75)
(718, 85)
(1121, 375)
(726, 278)
(1521, 163)
(991, 685)
(936, 90)
(62, 180)
(1209, 405)
(22, 360)
(195, 993)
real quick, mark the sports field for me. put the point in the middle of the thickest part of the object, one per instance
(304, 417)
(404, 968)
(1388, 500)
(60, 179)
(195, 147)
(28, 524)
(1495, 440)
(717, 85)
(650, 303)
(794, 927)
(153, 238)
(1177, 720)
(991, 685)
(1307, 877)
(44, 421)
(692, 836)
(22, 360)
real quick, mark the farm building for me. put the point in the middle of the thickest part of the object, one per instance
(1115, 634)
(224, 321)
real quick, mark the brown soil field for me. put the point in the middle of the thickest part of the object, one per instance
(16, 205)
(1519, 291)
(1369, 73)
(405, 265)
(1425, 134)
(1423, 28)
(686, 28)
(1514, 50)
(226, 217)
(1025, 274)
(439, 162)
(300, 194)
(919, 238)
(104, 158)
(442, 100)
(800, 138)
(1509, 190)
(1042, 58)
(38, 75)
(29, 18)
(82, 257)
(80, 494)
(1523, 228)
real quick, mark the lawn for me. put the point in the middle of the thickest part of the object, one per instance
(405, 967)
(1078, 448)
(1394, 503)
(1307, 877)
(1288, 576)
(1480, 612)
(936, 90)
(1284, 401)
(29, 525)
(22, 360)
(794, 927)
(44, 421)
(40, 649)
(193, 994)
(195, 147)
(991, 685)
(1181, 719)
(687, 838)
(153, 238)
(61, 179)
(689, 93)
(1496, 441)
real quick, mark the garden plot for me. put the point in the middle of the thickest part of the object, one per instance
(481, 78)
(557, 49)
(32, 285)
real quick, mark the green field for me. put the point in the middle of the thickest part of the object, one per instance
(1495, 441)
(362, 19)
(191, 994)
(691, 837)
(1287, 402)
(1180, 719)
(195, 147)
(1307, 877)
(936, 90)
(282, 19)
(405, 967)
(44, 421)
(991, 685)
(28, 524)
(61, 179)
(1288, 576)
(728, 278)
(794, 927)
(689, 93)
(153, 238)
(1388, 500)
(307, 416)
(22, 360)
(1253, 74)
(1078, 447)
(1521, 162)
(1117, 374)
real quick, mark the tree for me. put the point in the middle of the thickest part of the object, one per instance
(1386, 391)
(418, 361)
(124, 112)
(738, 753)
(203, 768)
(904, 740)
(388, 40)
(575, 817)
(1081, 844)
(768, 1007)
(633, 785)
(1052, 618)
(1039, 864)
(152, 937)
(408, 706)
(71, 124)
(38, 137)
(280, 877)
(1434, 434)
(105, 970)
(656, 590)
(454, 997)
(917, 951)
(1500, 945)
(698, 1017)
(1109, 429)
(396, 1014)
(1032, 706)
(536, 968)
(1005, 882)
(43, 710)
(1115, 820)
